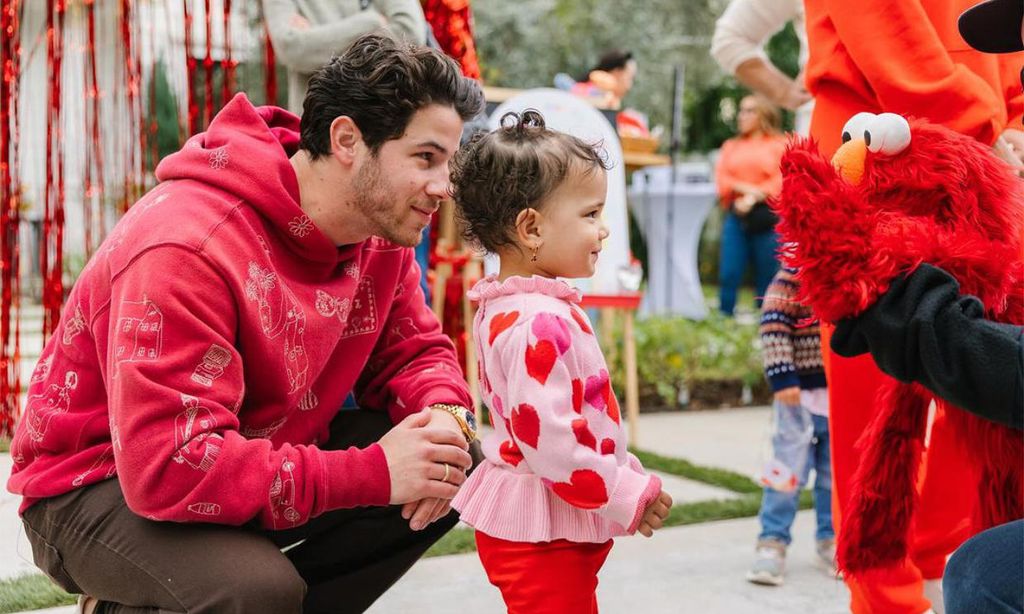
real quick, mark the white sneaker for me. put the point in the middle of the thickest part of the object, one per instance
(826, 550)
(769, 563)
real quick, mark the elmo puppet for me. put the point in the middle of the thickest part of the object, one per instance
(897, 194)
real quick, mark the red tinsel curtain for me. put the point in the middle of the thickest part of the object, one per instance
(52, 245)
(10, 350)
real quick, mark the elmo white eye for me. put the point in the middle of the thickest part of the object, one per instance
(887, 134)
(855, 126)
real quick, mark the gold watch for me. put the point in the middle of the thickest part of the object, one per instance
(465, 418)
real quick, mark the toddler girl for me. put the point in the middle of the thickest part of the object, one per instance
(557, 483)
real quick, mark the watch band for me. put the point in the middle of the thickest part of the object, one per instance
(465, 418)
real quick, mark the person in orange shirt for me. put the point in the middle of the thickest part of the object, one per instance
(747, 175)
(903, 57)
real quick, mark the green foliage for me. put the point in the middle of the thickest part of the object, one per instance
(674, 354)
(31, 592)
(723, 478)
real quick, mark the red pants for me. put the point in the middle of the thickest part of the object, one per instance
(942, 521)
(558, 577)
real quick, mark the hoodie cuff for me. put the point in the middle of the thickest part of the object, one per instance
(356, 477)
(439, 394)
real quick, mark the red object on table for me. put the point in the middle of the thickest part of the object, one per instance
(625, 300)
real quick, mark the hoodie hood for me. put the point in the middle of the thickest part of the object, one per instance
(245, 152)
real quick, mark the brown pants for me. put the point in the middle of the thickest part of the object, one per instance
(89, 542)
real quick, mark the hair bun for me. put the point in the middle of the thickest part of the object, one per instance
(522, 124)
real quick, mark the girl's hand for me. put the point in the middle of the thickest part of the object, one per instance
(655, 514)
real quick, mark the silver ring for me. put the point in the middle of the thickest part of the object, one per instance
(447, 472)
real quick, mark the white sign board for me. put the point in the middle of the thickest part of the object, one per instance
(567, 113)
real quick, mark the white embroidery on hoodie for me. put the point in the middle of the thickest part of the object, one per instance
(281, 314)
(282, 495)
(140, 332)
(73, 326)
(219, 158)
(194, 445)
(300, 226)
(211, 366)
(42, 408)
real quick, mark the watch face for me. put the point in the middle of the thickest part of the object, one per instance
(471, 421)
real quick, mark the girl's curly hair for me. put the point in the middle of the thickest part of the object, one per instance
(498, 174)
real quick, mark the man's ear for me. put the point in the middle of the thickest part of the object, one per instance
(528, 228)
(346, 139)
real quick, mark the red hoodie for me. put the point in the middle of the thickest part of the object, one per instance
(208, 344)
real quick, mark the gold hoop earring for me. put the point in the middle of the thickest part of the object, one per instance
(534, 258)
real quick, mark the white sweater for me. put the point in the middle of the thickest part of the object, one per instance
(744, 28)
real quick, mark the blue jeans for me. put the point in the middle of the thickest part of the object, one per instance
(799, 441)
(986, 573)
(739, 248)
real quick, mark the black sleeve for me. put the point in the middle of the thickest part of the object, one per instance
(922, 330)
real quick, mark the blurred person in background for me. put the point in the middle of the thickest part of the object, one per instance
(747, 175)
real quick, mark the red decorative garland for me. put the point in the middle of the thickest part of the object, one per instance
(208, 67)
(93, 171)
(228, 63)
(52, 247)
(190, 69)
(10, 350)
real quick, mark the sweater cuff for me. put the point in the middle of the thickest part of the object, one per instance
(649, 494)
(356, 477)
(783, 381)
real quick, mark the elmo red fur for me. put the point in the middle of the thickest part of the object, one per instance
(945, 200)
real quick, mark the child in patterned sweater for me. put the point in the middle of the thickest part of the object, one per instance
(557, 483)
(793, 365)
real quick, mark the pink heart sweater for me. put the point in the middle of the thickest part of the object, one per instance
(556, 464)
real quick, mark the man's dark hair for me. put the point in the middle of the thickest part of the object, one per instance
(614, 60)
(380, 83)
(498, 174)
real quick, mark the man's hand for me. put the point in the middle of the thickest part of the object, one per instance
(655, 514)
(426, 511)
(298, 22)
(789, 396)
(417, 452)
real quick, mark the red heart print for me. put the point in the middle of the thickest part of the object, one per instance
(577, 396)
(581, 321)
(607, 446)
(585, 490)
(500, 323)
(595, 390)
(540, 359)
(510, 452)
(549, 327)
(526, 425)
(613, 404)
(498, 406)
(581, 429)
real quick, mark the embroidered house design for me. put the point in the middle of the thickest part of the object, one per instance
(139, 333)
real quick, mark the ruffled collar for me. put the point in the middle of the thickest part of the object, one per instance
(489, 288)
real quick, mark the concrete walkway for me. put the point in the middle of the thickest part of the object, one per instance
(697, 568)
